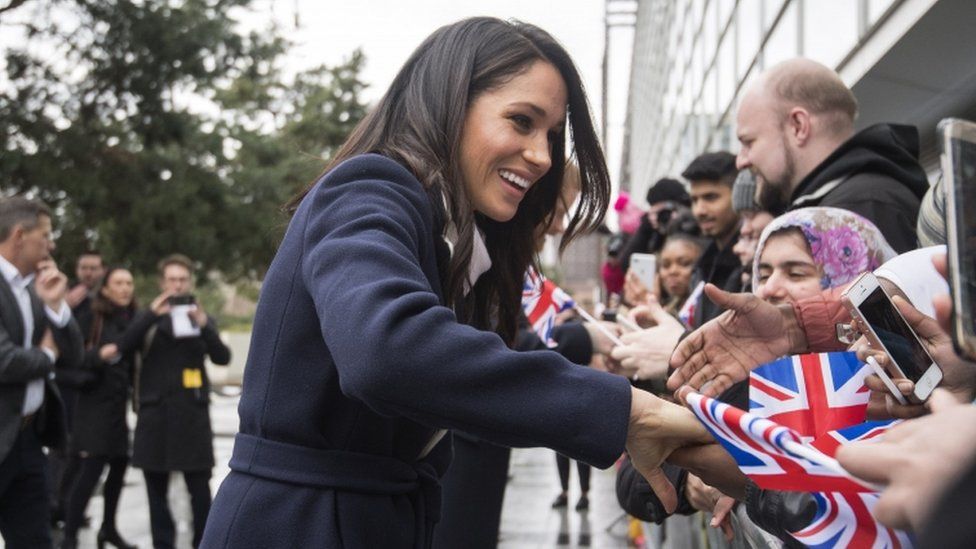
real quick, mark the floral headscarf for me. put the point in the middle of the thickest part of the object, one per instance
(842, 243)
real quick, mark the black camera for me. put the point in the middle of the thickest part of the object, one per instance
(664, 216)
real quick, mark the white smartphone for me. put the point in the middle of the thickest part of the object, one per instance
(888, 331)
(958, 139)
(645, 267)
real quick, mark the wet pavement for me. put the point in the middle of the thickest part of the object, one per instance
(528, 521)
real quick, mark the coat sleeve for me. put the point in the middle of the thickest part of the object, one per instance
(218, 351)
(401, 353)
(132, 339)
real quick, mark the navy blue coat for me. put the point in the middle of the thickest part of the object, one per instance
(355, 363)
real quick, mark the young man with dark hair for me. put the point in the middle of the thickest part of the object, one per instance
(89, 270)
(711, 176)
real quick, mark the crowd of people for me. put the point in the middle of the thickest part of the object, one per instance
(72, 361)
(391, 316)
(806, 206)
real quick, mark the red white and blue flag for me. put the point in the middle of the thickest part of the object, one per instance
(766, 453)
(812, 393)
(542, 300)
(845, 520)
(686, 314)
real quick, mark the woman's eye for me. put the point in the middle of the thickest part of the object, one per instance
(522, 121)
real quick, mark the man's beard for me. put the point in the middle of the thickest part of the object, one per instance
(774, 196)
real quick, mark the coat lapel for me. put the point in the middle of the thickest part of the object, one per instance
(10, 313)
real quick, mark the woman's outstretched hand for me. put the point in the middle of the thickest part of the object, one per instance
(657, 428)
(724, 350)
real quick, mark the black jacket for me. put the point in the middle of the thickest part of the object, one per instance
(100, 427)
(875, 174)
(720, 267)
(173, 427)
(19, 365)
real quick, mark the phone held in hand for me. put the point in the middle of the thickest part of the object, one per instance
(889, 332)
(645, 267)
(958, 140)
(182, 299)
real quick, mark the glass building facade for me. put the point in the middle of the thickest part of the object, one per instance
(692, 59)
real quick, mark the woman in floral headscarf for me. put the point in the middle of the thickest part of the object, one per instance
(800, 254)
(808, 250)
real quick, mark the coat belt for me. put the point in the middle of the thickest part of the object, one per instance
(343, 471)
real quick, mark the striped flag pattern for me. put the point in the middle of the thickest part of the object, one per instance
(542, 300)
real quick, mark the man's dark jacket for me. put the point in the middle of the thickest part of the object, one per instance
(19, 365)
(875, 174)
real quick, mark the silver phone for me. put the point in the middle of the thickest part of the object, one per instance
(888, 331)
(645, 267)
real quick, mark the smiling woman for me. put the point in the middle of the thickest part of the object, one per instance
(506, 145)
(385, 317)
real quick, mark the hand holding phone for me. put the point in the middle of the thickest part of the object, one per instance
(887, 331)
(645, 267)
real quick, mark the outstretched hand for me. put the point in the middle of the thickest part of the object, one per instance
(657, 428)
(724, 350)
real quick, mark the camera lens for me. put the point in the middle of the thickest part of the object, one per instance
(664, 216)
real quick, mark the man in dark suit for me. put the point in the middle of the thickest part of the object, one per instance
(35, 328)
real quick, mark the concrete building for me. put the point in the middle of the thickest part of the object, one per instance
(907, 61)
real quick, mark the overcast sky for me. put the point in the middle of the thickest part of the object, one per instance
(388, 31)
(327, 31)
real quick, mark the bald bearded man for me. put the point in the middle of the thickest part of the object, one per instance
(796, 128)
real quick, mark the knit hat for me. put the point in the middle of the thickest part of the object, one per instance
(667, 189)
(744, 192)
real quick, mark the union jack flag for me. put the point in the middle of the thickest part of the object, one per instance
(845, 520)
(686, 314)
(542, 301)
(765, 450)
(812, 393)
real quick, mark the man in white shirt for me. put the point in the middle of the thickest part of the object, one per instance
(35, 328)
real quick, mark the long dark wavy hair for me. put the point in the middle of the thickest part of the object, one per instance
(419, 122)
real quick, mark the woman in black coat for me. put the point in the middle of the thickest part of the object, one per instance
(101, 435)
